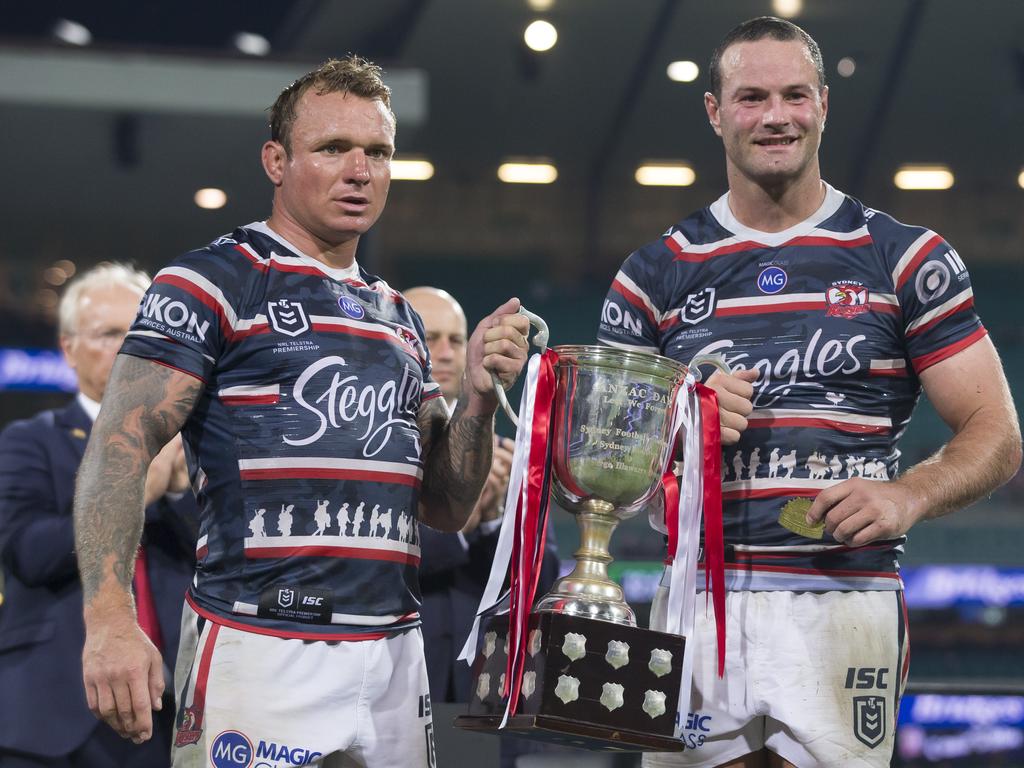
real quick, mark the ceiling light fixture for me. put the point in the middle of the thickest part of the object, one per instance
(251, 44)
(411, 170)
(787, 9)
(527, 173)
(71, 32)
(846, 66)
(923, 177)
(540, 36)
(683, 71)
(210, 198)
(540, 5)
(1020, 179)
(663, 174)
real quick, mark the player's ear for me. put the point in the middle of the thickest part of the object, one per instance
(711, 107)
(274, 157)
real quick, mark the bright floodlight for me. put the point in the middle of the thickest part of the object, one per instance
(541, 35)
(683, 71)
(787, 9)
(211, 198)
(527, 173)
(72, 32)
(252, 44)
(411, 170)
(665, 175)
(923, 177)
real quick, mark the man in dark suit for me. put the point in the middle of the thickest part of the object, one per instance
(44, 718)
(454, 567)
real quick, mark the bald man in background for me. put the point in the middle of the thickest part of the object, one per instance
(454, 566)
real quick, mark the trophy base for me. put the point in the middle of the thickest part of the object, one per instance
(586, 683)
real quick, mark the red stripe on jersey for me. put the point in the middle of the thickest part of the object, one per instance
(749, 245)
(812, 423)
(220, 620)
(927, 361)
(670, 321)
(768, 493)
(251, 400)
(633, 299)
(920, 256)
(202, 552)
(328, 473)
(175, 368)
(888, 372)
(202, 296)
(763, 309)
(431, 396)
(939, 318)
(256, 263)
(368, 334)
(260, 553)
(883, 307)
(253, 330)
(740, 555)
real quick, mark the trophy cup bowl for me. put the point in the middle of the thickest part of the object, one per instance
(611, 440)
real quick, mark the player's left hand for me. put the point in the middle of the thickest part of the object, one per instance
(858, 511)
(498, 345)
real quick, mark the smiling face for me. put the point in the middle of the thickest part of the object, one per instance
(332, 182)
(771, 112)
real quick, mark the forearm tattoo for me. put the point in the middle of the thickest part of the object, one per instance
(457, 461)
(144, 406)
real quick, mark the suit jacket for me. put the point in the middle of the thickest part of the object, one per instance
(43, 708)
(452, 581)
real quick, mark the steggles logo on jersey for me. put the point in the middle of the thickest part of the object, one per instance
(698, 306)
(794, 367)
(287, 317)
(342, 401)
(931, 282)
(846, 298)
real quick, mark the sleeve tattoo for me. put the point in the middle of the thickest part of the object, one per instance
(457, 458)
(144, 406)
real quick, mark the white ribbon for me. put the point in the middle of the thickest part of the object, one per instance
(681, 600)
(515, 498)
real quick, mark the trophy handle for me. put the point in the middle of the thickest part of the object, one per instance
(718, 361)
(540, 340)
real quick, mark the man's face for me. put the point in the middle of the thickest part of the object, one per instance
(771, 113)
(104, 317)
(335, 181)
(446, 339)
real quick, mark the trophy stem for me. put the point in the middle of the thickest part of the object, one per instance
(587, 590)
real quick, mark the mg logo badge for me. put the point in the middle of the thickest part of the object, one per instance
(286, 598)
(869, 719)
(287, 317)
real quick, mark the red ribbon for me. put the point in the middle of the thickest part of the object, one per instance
(670, 489)
(532, 521)
(714, 538)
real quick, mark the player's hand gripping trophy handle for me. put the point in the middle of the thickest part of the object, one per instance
(540, 339)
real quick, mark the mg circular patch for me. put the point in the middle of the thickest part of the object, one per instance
(772, 279)
(351, 307)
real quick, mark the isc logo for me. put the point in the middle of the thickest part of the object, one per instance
(866, 677)
(312, 600)
(772, 280)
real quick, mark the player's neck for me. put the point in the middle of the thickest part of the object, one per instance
(774, 209)
(334, 255)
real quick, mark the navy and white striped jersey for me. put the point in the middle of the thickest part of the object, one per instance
(839, 315)
(303, 448)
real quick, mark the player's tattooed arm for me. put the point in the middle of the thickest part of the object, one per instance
(457, 458)
(144, 406)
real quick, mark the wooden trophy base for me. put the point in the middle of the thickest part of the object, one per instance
(586, 683)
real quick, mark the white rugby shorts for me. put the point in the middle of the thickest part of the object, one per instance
(247, 700)
(815, 677)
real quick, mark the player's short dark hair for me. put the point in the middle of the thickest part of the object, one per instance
(759, 29)
(351, 74)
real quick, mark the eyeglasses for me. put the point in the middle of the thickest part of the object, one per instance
(112, 337)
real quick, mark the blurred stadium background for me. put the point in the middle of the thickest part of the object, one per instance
(116, 115)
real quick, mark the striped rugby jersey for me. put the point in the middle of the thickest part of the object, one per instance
(839, 314)
(303, 448)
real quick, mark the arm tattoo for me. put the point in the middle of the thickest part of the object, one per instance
(145, 405)
(457, 459)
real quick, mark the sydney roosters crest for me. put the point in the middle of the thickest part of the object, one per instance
(846, 298)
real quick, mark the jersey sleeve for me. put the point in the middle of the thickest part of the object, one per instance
(188, 314)
(933, 288)
(634, 306)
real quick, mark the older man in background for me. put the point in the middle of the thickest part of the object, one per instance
(46, 721)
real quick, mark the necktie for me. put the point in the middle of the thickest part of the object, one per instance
(145, 606)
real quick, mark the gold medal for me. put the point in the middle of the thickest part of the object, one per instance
(794, 518)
